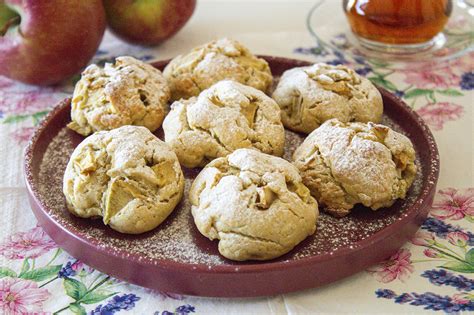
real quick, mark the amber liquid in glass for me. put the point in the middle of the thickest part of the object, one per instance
(397, 21)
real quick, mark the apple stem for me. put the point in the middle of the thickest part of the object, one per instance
(13, 21)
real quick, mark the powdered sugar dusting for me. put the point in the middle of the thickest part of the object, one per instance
(292, 141)
(177, 239)
(172, 240)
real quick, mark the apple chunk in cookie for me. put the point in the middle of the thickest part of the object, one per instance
(222, 59)
(128, 92)
(127, 176)
(308, 96)
(255, 204)
(226, 117)
(344, 164)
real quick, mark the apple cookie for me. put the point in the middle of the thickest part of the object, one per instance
(223, 118)
(344, 164)
(308, 96)
(255, 204)
(218, 60)
(127, 176)
(128, 92)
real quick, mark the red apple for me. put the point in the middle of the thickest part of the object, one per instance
(147, 22)
(45, 41)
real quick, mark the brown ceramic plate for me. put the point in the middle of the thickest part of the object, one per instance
(176, 258)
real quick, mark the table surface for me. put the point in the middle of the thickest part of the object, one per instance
(433, 272)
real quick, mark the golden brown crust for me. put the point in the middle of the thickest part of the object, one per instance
(223, 118)
(348, 163)
(127, 176)
(129, 92)
(222, 59)
(255, 204)
(308, 96)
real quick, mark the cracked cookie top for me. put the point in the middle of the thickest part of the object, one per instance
(127, 176)
(348, 163)
(255, 204)
(223, 118)
(128, 92)
(308, 96)
(218, 60)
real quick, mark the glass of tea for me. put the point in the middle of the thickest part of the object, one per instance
(398, 26)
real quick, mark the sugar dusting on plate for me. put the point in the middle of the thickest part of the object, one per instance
(177, 239)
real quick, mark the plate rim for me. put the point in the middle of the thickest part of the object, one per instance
(428, 186)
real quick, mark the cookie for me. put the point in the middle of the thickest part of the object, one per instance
(308, 96)
(255, 204)
(344, 164)
(127, 176)
(223, 118)
(128, 92)
(191, 73)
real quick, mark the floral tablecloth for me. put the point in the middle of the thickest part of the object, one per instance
(432, 272)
